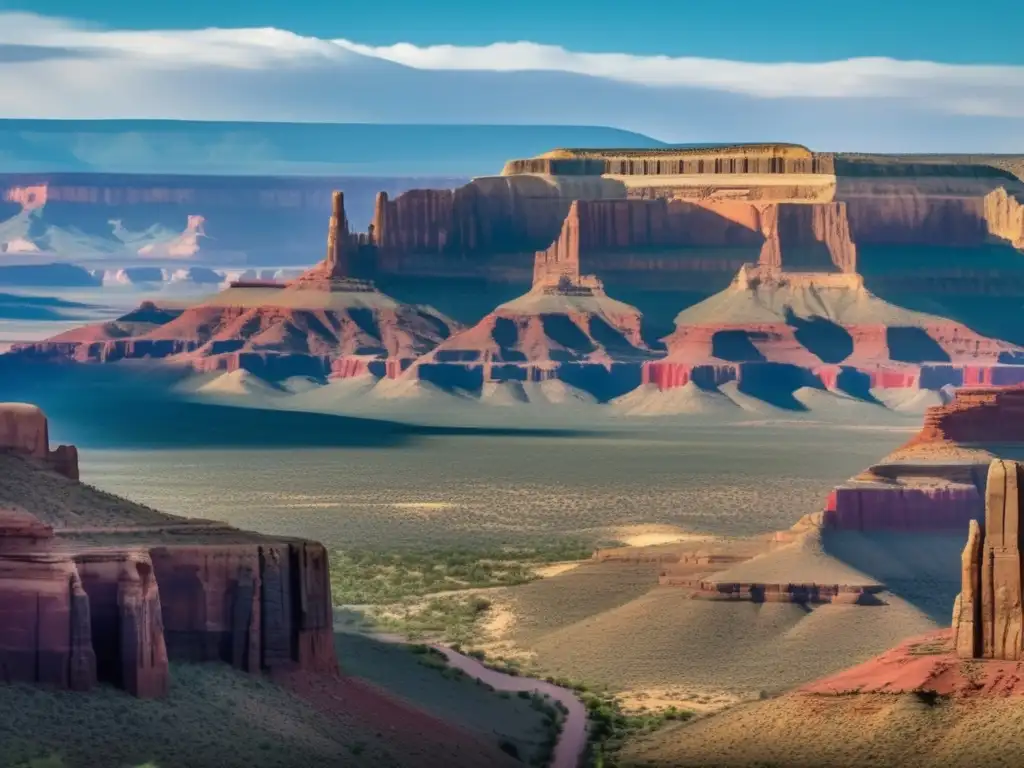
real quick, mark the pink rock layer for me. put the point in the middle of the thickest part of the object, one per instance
(863, 507)
(73, 613)
(975, 415)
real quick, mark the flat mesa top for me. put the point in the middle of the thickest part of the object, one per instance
(773, 149)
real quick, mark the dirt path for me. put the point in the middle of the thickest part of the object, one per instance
(573, 738)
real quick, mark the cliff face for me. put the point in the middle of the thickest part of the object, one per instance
(824, 329)
(45, 634)
(976, 415)
(1004, 214)
(115, 603)
(809, 210)
(565, 328)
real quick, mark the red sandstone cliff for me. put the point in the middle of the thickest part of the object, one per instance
(116, 602)
(939, 479)
(981, 415)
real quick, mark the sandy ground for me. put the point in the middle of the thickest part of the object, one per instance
(611, 623)
(867, 731)
(657, 699)
(646, 535)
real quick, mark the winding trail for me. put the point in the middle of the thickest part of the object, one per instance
(572, 741)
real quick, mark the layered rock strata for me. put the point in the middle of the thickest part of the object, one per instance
(97, 589)
(988, 618)
(565, 328)
(776, 328)
(939, 480)
(487, 228)
(808, 594)
(325, 322)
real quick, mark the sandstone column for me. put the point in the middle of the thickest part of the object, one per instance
(337, 238)
(1001, 612)
(966, 618)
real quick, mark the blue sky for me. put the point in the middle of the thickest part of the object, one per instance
(868, 76)
(953, 31)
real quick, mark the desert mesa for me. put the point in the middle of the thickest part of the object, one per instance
(788, 274)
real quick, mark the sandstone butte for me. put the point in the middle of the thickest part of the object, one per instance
(937, 481)
(566, 328)
(94, 588)
(324, 321)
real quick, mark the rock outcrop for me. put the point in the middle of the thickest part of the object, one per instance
(487, 228)
(940, 479)
(25, 430)
(325, 322)
(975, 415)
(988, 619)
(566, 328)
(773, 327)
(100, 589)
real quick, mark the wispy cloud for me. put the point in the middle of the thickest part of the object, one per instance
(57, 68)
(852, 78)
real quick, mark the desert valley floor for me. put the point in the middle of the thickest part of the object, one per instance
(731, 480)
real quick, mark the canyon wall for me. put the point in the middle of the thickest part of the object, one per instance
(610, 235)
(250, 220)
(96, 603)
(654, 230)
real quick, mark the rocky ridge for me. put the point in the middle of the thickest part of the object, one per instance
(96, 589)
(495, 222)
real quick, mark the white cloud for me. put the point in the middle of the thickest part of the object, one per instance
(864, 77)
(271, 74)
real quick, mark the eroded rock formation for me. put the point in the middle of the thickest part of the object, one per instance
(325, 322)
(975, 415)
(566, 328)
(988, 619)
(108, 591)
(939, 480)
(488, 227)
(24, 429)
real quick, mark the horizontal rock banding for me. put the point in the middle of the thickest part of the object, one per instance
(114, 603)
